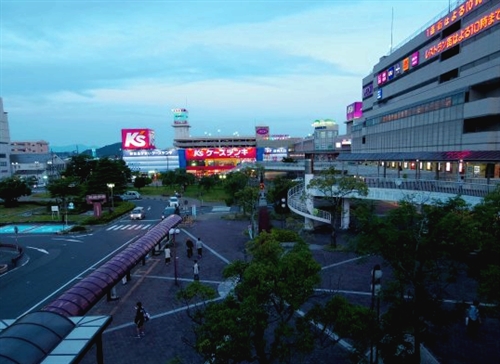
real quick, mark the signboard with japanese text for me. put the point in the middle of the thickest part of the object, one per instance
(207, 153)
(458, 13)
(479, 25)
(149, 153)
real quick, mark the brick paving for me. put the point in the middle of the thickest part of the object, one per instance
(169, 333)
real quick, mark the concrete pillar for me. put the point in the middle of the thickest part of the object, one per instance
(308, 176)
(345, 217)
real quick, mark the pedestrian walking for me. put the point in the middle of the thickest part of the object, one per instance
(199, 247)
(168, 255)
(196, 271)
(473, 319)
(141, 316)
(189, 247)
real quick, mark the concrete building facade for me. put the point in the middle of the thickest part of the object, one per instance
(4, 143)
(29, 146)
(439, 93)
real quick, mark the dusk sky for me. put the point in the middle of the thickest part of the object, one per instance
(79, 71)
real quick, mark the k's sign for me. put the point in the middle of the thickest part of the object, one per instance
(137, 139)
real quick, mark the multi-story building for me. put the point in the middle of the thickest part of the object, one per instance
(29, 146)
(434, 102)
(4, 143)
(39, 167)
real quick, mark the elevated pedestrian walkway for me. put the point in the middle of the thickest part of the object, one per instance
(422, 192)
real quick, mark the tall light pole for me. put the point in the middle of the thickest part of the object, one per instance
(376, 277)
(173, 233)
(111, 186)
(283, 205)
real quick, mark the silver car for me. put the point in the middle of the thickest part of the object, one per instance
(137, 213)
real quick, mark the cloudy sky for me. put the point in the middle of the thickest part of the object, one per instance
(78, 71)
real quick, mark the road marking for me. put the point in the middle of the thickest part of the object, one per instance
(71, 240)
(129, 227)
(78, 276)
(40, 250)
(221, 209)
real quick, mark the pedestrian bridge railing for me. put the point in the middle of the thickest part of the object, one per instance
(394, 189)
(297, 203)
(454, 188)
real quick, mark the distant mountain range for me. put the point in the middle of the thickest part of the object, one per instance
(77, 148)
(113, 150)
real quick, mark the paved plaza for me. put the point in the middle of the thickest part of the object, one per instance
(169, 334)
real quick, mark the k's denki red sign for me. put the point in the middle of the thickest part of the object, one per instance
(138, 139)
(204, 153)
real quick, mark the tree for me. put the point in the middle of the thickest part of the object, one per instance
(140, 182)
(426, 246)
(334, 187)
(178, 177)
(486, 266)
(279, 189)
(259, 321)
(208, 182)
(11, 189)
(93, 175)
(235, 182)
(107, 171)
(248, 199)
(81, 167)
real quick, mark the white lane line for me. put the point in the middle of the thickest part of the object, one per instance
(342, 262)
(205, 246)
(77, 277)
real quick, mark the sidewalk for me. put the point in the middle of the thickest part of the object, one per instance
(169, 334)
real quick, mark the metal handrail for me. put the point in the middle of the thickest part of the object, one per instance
(295, 200)
(456, 188)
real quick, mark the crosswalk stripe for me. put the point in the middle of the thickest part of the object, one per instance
(128, 227)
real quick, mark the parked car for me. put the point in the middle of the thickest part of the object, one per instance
(117, 198)
(173, 201)
(137, 213)
(169, 210)
(131, 195)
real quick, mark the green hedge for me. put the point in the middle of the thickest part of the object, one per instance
(106, 216)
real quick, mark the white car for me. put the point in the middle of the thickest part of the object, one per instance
(173, 201)
(137, 213)
(131, 195)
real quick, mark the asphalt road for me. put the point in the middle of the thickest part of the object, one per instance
(53, 263)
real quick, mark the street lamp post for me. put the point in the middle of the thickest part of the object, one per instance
(376, 277)
(173, 233)
(283, 206)
(111, 186)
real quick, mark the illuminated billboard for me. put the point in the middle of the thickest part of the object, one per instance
(180, 116)
(485, 22)
(207, 153)
(262, 132)
(453, 16)
(138, 139)
(354, 110)
(368, 90)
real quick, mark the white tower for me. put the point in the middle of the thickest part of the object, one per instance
(181, 123)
